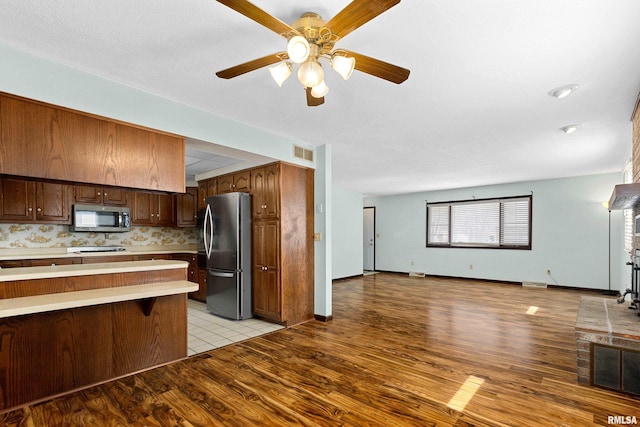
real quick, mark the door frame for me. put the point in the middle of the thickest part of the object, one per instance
(374, 234)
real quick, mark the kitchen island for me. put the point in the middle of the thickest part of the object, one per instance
(67, 327)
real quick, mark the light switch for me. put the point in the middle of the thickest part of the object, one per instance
(317, 237)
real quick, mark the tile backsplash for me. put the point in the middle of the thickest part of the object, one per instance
(29, 236)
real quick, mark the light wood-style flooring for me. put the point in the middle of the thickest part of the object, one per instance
(400, 351)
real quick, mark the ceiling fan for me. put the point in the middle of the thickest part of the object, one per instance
(311, 38)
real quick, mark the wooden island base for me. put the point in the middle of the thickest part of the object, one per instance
(102, 326)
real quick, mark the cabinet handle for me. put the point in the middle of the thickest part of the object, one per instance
(99, 193)
(105, 194)
(30, 209)
(39, 209)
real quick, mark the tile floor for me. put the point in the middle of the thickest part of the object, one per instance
(207, 331)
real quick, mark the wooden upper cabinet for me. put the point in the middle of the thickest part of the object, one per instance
(100, 195)
(41, 202)
(153, 209)
(265, 188)
(44, 141)
(53, 203)
(187, 208)
(225, 184)
(240, 181)
(17, 197)
(206, 188)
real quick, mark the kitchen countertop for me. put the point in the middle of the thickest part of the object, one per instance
(36, 253)
(47, 272)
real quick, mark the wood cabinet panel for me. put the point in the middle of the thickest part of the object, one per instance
(239, 181)
(53, 203)
(153, 209)
(187, 208)
(225, 184)
(266, 270)
(50, 353)
(111, 196)
(137, 345)
(18, 197)
(265, 188)
(42, 202)
(44, 141)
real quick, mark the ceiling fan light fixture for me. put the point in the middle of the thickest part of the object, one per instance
(320, 90)
(298, 49)
(310, 73)
(563, 91)
(281, 72)
(343, 65)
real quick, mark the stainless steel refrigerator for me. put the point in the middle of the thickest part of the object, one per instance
(227, 244)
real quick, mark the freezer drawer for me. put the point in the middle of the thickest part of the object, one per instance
(228, 294)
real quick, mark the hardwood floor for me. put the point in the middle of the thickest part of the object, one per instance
(400, 351)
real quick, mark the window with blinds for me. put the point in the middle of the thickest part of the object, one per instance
(489, 223)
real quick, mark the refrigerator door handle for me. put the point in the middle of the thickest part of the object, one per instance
(217, 274)
(208, 220)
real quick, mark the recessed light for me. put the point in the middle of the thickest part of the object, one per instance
(563, 91)
(569, 129)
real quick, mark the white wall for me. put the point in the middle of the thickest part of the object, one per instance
(347, 233)
(570, 235)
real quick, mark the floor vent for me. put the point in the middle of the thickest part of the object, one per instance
(302, 153)
(416, 274)
(534, 285)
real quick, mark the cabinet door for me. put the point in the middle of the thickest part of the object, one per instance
(53, 203)
(188, 208)
(225, 184)
(242, 181)
(266, 283)
(271, 192)
(142, 211)
(114, 196)
(18, 200)
(87, 194)
(166, 212)
(202, 194)
(257, 191)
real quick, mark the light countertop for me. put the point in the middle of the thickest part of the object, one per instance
(37, 253)
(32, 273)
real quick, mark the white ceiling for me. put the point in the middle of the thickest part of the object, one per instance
(474, 110)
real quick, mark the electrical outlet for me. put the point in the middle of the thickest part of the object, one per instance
(470, 266)
(412, 263)
(317, 237)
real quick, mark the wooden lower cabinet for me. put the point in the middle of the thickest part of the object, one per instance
(266, 270)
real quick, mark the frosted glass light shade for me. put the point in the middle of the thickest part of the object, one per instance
(320, 90)
(298, 49)
(281, 72)
(310, 73)
(343, 65)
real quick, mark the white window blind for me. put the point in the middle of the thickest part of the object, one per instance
(489, 223)
(628, 213)
(439, 225)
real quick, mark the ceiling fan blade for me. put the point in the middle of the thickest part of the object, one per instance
(356, 14)
(379, 68)
(240, 69)
(263, 18)
(313, 101)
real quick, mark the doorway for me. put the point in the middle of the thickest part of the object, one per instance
(369, 239)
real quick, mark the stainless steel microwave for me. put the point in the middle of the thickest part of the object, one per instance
(104, 219)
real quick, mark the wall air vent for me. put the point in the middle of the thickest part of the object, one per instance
(302, 153)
